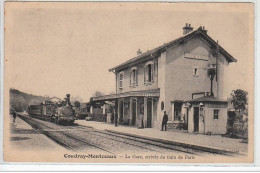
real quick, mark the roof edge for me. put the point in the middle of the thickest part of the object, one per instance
(158, 49)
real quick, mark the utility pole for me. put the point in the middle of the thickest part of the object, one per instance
(217, 54)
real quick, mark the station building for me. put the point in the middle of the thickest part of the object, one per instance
(184, 77)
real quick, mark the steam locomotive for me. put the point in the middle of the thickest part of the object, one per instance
(62, 112)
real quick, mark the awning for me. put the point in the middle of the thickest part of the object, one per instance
(143, 93)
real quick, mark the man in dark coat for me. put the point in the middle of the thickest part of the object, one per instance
(164, 121)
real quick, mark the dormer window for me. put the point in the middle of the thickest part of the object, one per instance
(121, 80)
(149, 72)
(133, 77)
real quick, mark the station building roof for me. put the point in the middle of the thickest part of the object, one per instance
(155, 52)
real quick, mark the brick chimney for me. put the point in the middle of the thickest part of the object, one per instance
(187, 28)
(139, 52)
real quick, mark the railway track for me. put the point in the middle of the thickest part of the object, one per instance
(61, 137)
(119, 140)
(80, 137)
(51, 134)
(94, 133)
(146, 142)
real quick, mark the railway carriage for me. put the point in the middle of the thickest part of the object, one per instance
(34, 110)
(62, 112)
(45, 110)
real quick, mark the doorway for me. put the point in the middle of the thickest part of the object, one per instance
(196, 119)
(121, 112)
(149, 113)
(133, 112)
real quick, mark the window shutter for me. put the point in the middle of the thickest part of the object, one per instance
(145, 74)
(136, 77)
(119, 80)
(130, 78)
(122, 80)
(152, 72)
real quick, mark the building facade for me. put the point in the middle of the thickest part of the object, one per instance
(170, 78)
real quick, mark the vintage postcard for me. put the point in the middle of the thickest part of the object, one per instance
(129, 82)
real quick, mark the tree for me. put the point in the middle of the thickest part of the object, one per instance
(18, 103)
(98, 93)
(74, 99)
(34, 102)
(77, 104)
(239, 99)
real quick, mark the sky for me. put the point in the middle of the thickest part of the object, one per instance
(67, 47)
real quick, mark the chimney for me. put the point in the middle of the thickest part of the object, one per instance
(204, 30)
(139, 52)
(187, 28)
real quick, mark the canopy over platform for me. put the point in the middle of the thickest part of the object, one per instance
(143, 93)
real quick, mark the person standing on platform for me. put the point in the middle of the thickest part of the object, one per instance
(164, 121)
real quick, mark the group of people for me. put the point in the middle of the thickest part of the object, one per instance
(164, 121)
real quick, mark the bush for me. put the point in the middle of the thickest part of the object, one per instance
(237, 125)
(99, 117)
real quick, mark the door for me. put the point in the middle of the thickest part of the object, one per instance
(133, 112)
(149, 113)
(196, 119)
(121, 113)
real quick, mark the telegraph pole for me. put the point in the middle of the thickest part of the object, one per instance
(217, 54)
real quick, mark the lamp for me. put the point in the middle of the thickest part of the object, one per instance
(162, 105)
(187, 105)
(201, 104)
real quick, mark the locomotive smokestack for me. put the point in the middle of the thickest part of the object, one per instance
(68, 99)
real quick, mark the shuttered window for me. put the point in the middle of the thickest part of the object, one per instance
(133, 77)
(136, 78)
(152, 73)
(145, 74)
(121, 79)
(149, 73)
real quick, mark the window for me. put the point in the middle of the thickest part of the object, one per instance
(149, 73)
(216, 111)
(195, 72)
(121, 79)
(133, 77)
